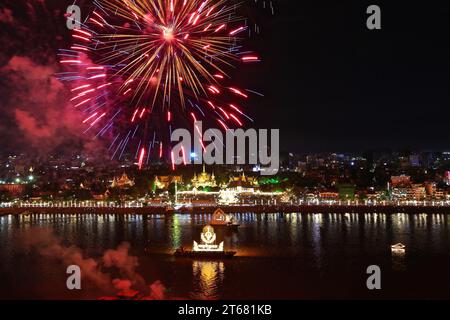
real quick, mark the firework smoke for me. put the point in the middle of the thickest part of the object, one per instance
(97, 271)
(36, 117)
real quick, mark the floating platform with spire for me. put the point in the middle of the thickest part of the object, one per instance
(207, 249)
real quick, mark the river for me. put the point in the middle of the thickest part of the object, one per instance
(280, 256)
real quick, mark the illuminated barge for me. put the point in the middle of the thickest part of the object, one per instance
(207, 249)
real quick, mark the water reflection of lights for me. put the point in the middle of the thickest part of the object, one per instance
(315, 225)
(318, 218)
(398, 257)
(401, 222)
(437, 218)
(208, 278)
(176, 232)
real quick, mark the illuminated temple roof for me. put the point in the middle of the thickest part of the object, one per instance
(243, 181)
(204, 179)
(123, 182)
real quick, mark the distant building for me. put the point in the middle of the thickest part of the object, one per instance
(414, 160)
(101, 196)
(163, 182)
(414, 192)
(13, 188)
(204, 180)
(447, 178)
(123, 182)
(329, 195)
(433, 192)
(430, 188)
(346, 192)
(418, 192)
(400, 181)
(401, 193)
(243, 181)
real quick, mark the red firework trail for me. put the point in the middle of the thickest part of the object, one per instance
(133, 58)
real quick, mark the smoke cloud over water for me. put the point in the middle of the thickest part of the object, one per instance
(113, 273)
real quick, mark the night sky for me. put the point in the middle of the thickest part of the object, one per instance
(330, 84)
(339, 86)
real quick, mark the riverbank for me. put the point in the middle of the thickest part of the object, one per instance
(342, 209)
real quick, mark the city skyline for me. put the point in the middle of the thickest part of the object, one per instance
(324, 176)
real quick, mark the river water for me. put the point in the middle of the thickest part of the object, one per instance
(280, 256)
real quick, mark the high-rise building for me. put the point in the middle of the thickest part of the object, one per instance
(418, 192)
(414, 160)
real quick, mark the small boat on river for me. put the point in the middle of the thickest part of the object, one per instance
(181, 253)
(398, 248)
(221, 219)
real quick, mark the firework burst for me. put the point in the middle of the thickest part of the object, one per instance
(136, 62)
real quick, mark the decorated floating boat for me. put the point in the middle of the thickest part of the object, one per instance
(204, 255)
(398, 248)
(221, 219)
(207, 249)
